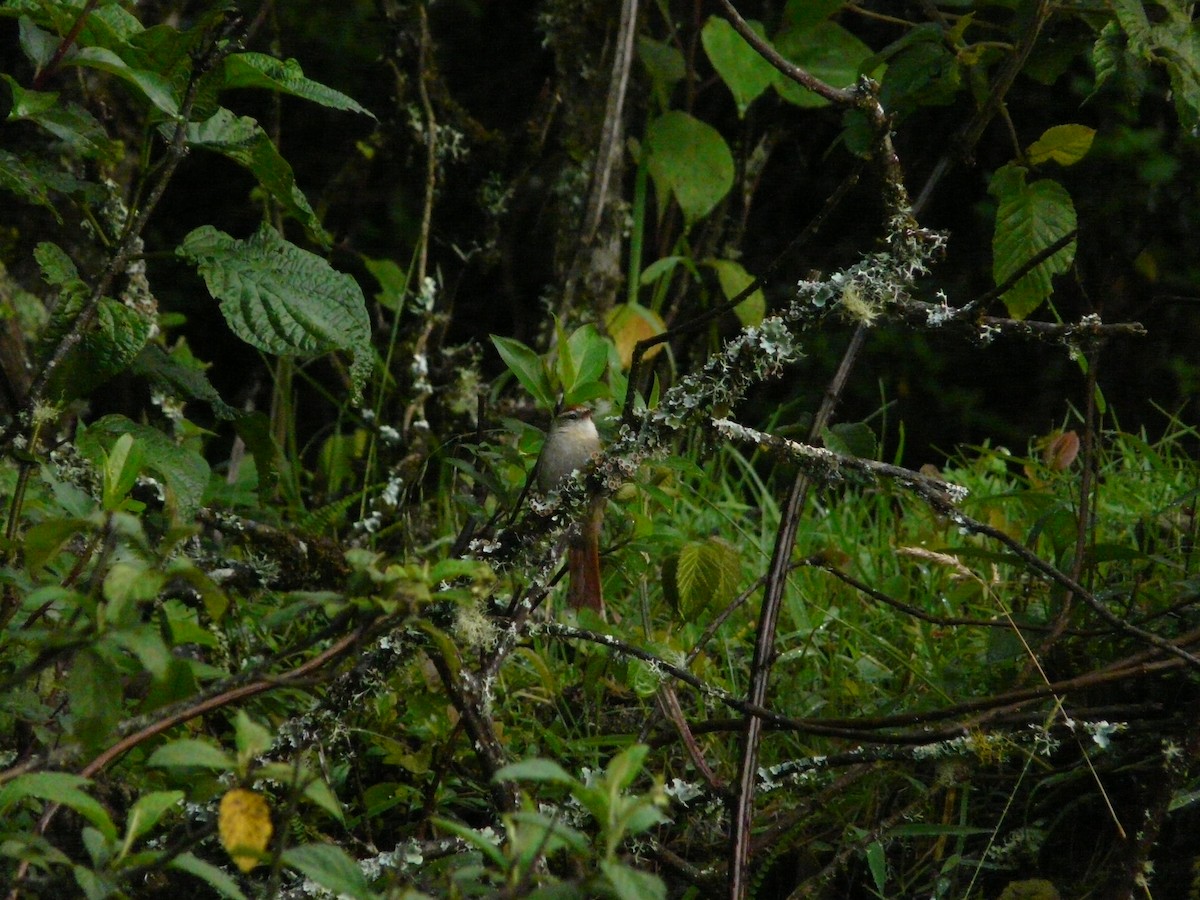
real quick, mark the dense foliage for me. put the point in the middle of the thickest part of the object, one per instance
(288, 291)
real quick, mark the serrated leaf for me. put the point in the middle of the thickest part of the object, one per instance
(689, 162)
(57, 268)
(257, 70)
(330, 867)
(705, 575)
(1030, 218)
(1063, 144)
(59, 787)
(244, 827)
(282, 299)
(69, 122)
(184, 472)
(528, 368)
(734, 279)
(214, 877)
(241, 139)
(744, 71)
(188, 752)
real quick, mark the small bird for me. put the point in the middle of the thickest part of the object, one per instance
(570, 444)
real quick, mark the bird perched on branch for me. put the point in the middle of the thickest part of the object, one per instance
(570, 445)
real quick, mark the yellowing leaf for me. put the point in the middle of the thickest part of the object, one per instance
(629, 323)
(244, 824)
(1064, 144)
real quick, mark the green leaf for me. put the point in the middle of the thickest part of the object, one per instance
(665, 65)
(623, 768)
(806, 13)
(44, 540)
(851, 439)
(690, 162)
(37, 180)
(740, 66)
(188, 752)
(180, 374)
(57, 268)
(589, 350)
(58, 787)
(485, 845)
(253, 740)
(528, 368)
(319, 792)
(331, 868)
(122, 465)
(282, 299)
(703, 576)
(70, 123)
(147, 811)
(244, 141)
(257, 70)
(536, 770)
(216, 878)
(94, 689)
(1064, 144)
(392, 279)
(184, 472)
(825, 50)
(734, 279)
(631, 884)
(151, 85)
(1030, 218)
(924, 72)
(1171, 41)
(126, 585)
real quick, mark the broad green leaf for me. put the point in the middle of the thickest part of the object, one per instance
(37, 44)
(147, 811)
(923, 73)
(57, 268)
(1030, 218)
(150, 84)
(690, 162)
(589, 350)
(282, 299)
(184, 472)
(1171, 41)
(94, 690)
(392, 279)
(144, 641)
(629, 883)
(216, 878)
(528, 368)
(331, 868)
(244, 141)
(257, 70)
(740, 66)
(58, 787)
(825, 50)
(188, 752)
(1064, 144)
(734, 279)
(703, 576)
(535, 770)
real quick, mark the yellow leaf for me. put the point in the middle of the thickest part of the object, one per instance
(244, 824)
(629, 323)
